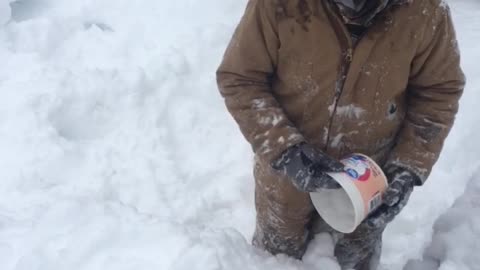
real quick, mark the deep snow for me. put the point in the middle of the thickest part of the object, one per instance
(455, 242)
(117, 151)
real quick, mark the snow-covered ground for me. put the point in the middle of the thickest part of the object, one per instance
(116, 151)
(455, 242)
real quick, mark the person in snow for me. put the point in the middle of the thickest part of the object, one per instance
(312, 81)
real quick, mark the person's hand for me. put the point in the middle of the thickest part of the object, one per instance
(401, 183)
(307, 168)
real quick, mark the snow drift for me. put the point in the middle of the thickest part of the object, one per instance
(117, 151)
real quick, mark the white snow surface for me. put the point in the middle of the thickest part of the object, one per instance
(116, 151)
(459, 223)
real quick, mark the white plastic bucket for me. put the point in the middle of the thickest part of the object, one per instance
(363, 184)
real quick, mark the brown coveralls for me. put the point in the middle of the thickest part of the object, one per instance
(291, 74)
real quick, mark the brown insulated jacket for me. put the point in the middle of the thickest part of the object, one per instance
(291, 74)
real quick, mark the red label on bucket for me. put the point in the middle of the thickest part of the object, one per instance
(368, 178)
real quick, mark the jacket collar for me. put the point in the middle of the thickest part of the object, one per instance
(368, 18)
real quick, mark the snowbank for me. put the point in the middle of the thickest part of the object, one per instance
(117, 151)
(455, 243)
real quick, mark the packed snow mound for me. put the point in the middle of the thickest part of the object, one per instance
(455, 243)
(118, 153)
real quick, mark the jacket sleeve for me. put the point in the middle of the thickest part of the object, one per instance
(245, 81)
(435, 86)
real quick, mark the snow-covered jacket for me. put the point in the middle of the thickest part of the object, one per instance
(291, 74)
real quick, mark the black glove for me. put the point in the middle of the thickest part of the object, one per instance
(401, 183)
(306, 167)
